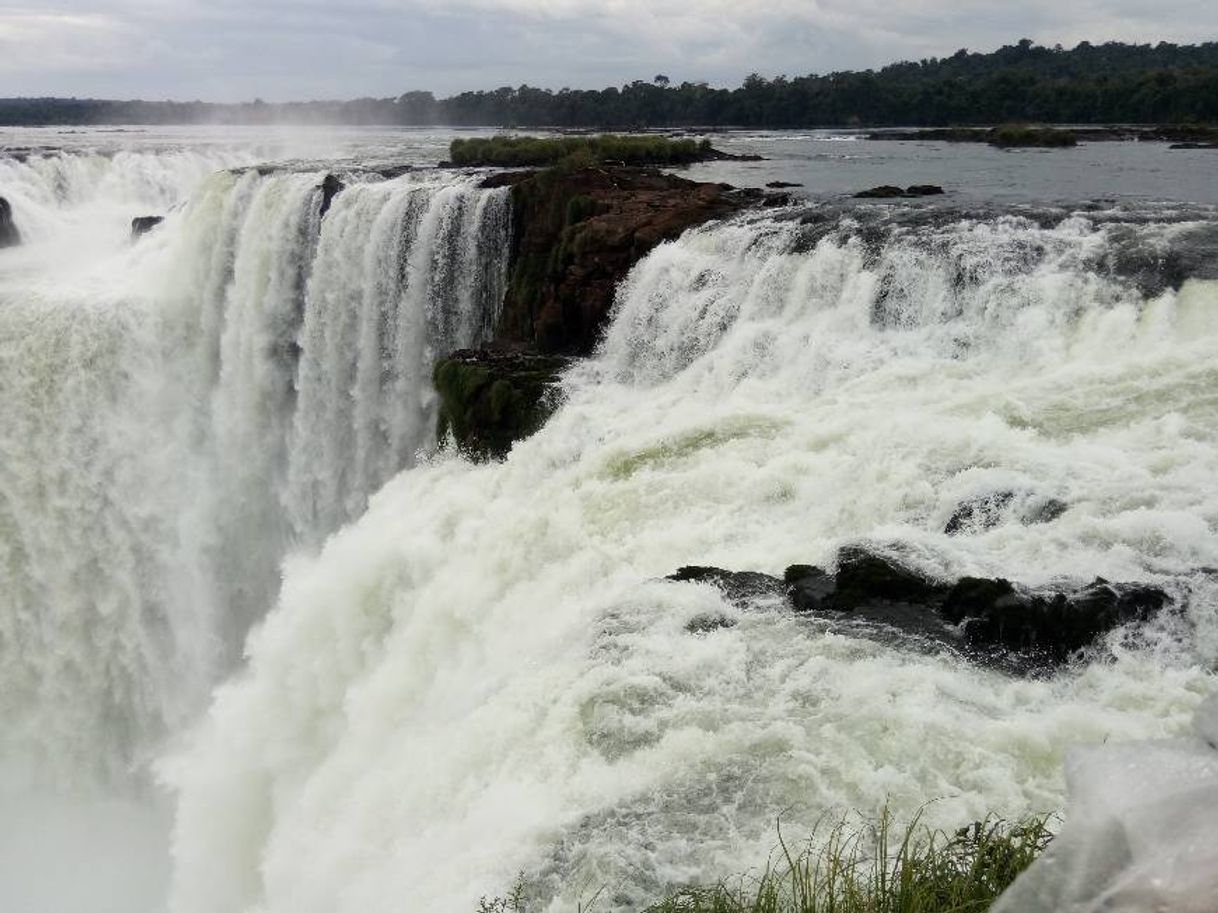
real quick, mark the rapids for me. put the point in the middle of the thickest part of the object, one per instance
(484, 676)
(235, 564)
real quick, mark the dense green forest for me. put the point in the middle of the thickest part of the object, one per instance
(1106, 83)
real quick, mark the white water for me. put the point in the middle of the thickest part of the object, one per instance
(482, 676)
(175, 419)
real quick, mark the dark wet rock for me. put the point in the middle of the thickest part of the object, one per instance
(809, 588)
(891, 192)
(708, 622)
(576, 235)
(736, 586)
(990, 620)
(883, 192)
(9, 235)
(1152, 268)
(864, 575)
(779, 185)
(141, 225)
(489, 399)
(395, 171)
(330, 187)
(987, 511)
(1050, 626)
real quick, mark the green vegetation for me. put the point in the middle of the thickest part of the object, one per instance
(577, 151)
(1109, 83)
(874, 869)
(489, 400)
(1012, 136)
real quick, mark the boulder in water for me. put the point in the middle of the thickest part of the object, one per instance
(9, 235)
(737, 586)
(989, 510)
(891, 192)
(330, 187)
(882, 192)
(141, 225)
(989, 619)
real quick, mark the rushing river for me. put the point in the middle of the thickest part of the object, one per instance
(458, 673)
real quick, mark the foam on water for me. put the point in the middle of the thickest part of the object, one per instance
(484, 675)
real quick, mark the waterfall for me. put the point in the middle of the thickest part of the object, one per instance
(485, 674)
(181, 413)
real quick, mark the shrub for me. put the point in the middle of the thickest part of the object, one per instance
(577, 151)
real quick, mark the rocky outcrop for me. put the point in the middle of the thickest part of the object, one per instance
(9, 235)
(890, 192)
(991, 620)
(491, 398)
(330, 187)
(141, 225)
(578, 233)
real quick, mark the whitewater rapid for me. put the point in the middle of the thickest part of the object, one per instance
(485, 675)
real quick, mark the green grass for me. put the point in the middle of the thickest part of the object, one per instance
(576, 151)
(875, 868)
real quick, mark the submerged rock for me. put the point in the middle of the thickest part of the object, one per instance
(9, 235)
(990, 620)
(891, 192)
(737, 586)
(490, 399)
(141, 225)
(987, 511)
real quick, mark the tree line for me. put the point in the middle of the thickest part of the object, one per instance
(1023, 82)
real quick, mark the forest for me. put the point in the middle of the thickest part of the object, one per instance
(1023, 82)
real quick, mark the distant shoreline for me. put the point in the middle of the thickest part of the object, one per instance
(1023, 83)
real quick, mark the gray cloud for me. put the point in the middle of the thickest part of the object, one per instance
(304, 49)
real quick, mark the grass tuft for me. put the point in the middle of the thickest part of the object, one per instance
(873, 868)
(878, 869)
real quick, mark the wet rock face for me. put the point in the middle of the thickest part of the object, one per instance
(330, 187)
(987, 511)
(141, 225)
(989, 620)
(578, 233)
(490, 399)
(890, 192)
(9, 235)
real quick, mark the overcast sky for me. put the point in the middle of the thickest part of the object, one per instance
(229, 50)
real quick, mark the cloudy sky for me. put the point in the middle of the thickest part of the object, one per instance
(227, 50)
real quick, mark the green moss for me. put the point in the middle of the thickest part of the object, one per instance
(486, 407)
(580, 207)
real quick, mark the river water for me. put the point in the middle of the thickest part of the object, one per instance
(265, 646)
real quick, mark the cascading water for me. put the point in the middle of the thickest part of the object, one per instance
(484, 674)
(180, 413)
